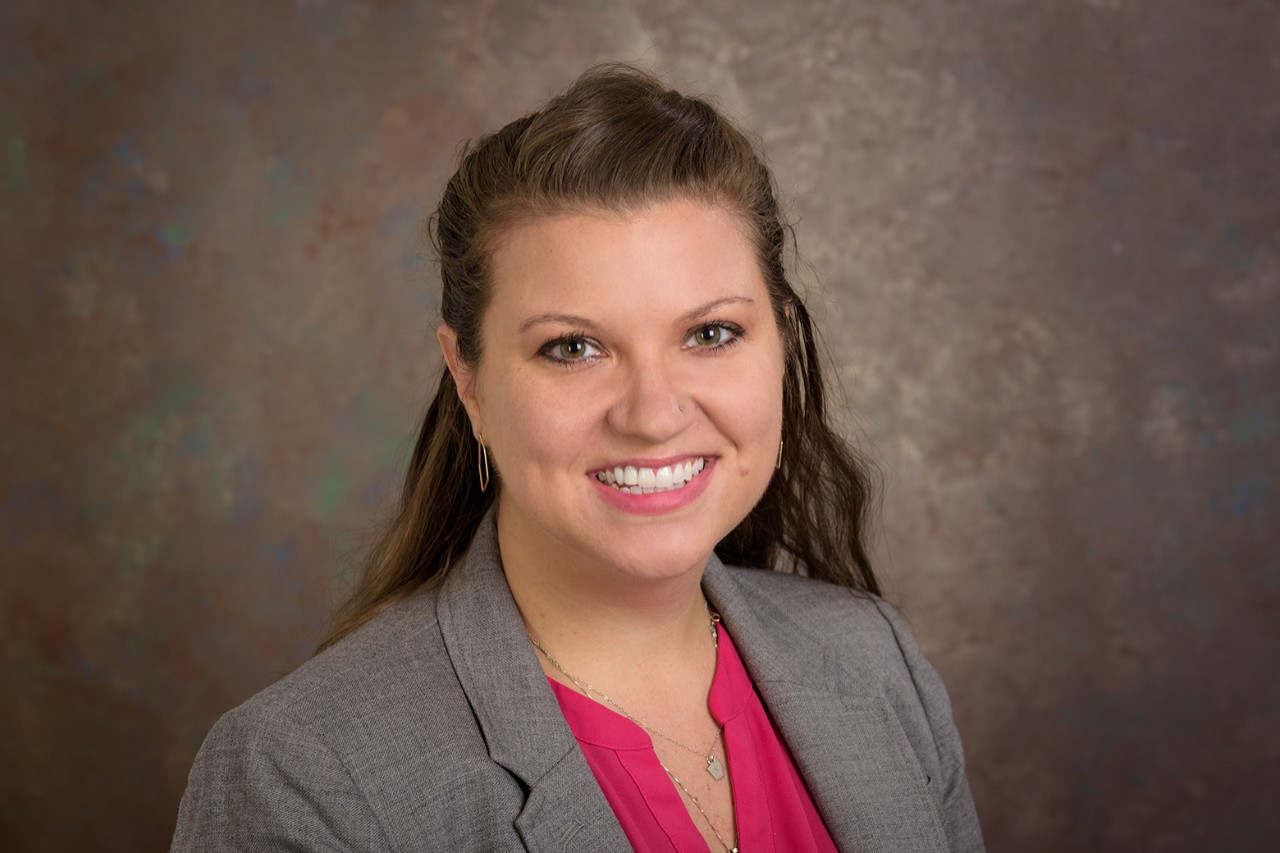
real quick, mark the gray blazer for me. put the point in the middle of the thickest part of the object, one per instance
(433, 728)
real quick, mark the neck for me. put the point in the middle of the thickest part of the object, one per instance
(594, 617)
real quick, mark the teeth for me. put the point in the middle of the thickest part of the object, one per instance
(646, 481)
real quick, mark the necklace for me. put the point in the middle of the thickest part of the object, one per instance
(715, 768)
(697, 805)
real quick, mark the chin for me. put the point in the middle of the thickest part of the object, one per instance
(671, 559)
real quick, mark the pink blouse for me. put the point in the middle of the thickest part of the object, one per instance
(770, 801)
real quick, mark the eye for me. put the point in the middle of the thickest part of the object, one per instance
(570, 349)
(714, 335)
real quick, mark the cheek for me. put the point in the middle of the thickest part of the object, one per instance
(531, 423)
(748, 408)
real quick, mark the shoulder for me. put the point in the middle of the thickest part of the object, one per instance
(365, 675)
(330, 745)
(866, 651)
(828, 598)
(834, 616)
(855, 642)
(384, 694)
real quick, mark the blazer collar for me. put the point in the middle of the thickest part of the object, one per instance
(518, 715)
(835, 719)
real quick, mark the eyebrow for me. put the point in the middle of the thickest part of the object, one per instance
(585, 323)
(704, 310)
(552, 317)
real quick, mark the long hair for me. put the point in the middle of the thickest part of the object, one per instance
(617, 140)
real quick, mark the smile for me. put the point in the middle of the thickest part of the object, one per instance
(646, 481)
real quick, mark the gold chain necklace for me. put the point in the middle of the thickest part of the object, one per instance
(715, 768)
(697, 805)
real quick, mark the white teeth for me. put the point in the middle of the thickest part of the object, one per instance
(636, 481)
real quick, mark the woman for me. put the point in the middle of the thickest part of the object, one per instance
(546, 651)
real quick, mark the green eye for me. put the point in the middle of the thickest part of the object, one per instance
(708, 336)
(714, 336)
(571, 349)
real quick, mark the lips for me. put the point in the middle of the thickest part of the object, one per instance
(640, 480)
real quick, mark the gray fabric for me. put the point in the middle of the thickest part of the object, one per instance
(433, 729)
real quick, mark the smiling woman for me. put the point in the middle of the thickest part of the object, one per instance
(625, 600)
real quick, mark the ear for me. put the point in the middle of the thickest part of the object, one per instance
(464, 376)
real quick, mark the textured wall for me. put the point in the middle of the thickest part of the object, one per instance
(1044, 236)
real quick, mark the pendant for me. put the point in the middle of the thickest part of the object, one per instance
(715, 768)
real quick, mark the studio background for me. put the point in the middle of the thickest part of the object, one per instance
(1043, 239)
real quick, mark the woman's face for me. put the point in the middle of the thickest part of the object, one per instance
(629, 388)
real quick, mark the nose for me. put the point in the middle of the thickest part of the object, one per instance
(651, 404)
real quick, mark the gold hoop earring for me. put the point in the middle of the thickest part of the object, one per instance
(482, 464)
(778, 464)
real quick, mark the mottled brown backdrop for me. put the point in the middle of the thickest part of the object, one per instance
(1044, 237)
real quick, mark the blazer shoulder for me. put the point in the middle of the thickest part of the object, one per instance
(817, 604)
(870, 650)
(360, 670)
(857, 628)
(330, 745)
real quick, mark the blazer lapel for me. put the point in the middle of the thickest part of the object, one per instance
(849, 747)
(517, 713)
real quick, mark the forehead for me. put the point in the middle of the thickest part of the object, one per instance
(668, 253)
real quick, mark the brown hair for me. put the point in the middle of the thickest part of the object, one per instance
(617, 140)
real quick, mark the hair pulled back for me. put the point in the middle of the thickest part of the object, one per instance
(617, 140)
